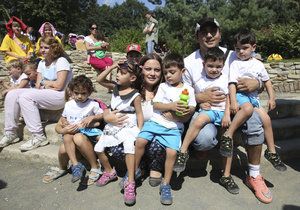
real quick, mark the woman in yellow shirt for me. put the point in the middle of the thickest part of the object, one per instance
(46, 30)
(15, 45)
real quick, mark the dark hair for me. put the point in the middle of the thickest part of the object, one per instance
(91, 24)
(100, 36)
(81, 81)
(134, 69)
(173, 59)
(143, 60)
(214, 54)
(245, 36)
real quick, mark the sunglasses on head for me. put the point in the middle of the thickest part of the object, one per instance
(93, 28)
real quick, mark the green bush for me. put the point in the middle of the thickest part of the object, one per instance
(124, 37)
(280, 39)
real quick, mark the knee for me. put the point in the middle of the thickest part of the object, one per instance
(248, 109)
(206, 138)
(171, 152)
(78, 139)
(140, 143)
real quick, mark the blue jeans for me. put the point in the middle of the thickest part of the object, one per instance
(252, 133)
(149, 47)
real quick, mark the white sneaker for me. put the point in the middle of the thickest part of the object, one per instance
(34, 142)
(9, 139)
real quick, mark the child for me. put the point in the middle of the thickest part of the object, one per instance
(101, 42)
(17, 78)
(242, 104)
(165, 125)
(30, 69)
(127, 100)
(79, 117)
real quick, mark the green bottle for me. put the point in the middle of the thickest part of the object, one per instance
(184, 97)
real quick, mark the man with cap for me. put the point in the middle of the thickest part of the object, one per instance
(209, 35)
(133, 53)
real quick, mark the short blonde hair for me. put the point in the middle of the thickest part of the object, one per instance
(15, 64)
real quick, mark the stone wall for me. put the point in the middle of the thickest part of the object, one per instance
(285, 76)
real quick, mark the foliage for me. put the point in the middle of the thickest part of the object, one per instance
(124, 37)
(280, 39)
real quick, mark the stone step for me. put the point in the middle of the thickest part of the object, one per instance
(285, 108)
(286, 128)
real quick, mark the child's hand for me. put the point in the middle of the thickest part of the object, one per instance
(70, 129)
(226, 121)
(205, 106)
(168, 116)
(182, 108)
(234, 107)
(86, 122)
(271, 104)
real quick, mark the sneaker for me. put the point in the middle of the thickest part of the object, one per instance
(226, 146)
(129, 193)
(8, 139)
(260, 189)
(34, 142)
(77, 172)
(165, 194)
(274, 158)
(138, 175)
(106, 178)
(180, 162)
(229, 184)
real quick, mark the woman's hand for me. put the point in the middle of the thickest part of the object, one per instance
(247, 84)
(86, 122)
(70, 129)
(205, 106)
(115, 118)
(214, 95)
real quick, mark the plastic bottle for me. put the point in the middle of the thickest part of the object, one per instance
(184, 97)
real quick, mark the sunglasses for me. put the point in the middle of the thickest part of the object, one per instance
(94, 28)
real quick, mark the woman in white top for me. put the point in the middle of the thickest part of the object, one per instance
(54, 73)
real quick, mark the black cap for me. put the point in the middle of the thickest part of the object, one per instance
(207, 21)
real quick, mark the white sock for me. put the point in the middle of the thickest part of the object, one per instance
(253, 170)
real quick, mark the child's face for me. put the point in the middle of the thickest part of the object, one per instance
(47, 30)
(16, 28)
(173, 75)
(44, 49)
(124, 77)
(133, 57)
(244, 51)
(80, 94)
(213, 68)
(31, 73)
(15, 72)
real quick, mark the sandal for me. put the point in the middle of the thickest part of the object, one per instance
(94, 175)
(53, 174)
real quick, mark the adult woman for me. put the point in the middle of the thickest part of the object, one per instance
(152, 76)
(54, 73)
(98, 63)
(16, 45)
(46, 30)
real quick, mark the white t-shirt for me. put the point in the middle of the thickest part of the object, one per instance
(251, 68)
(221, 82)
(74, 111)
(167, 94)
(15, 82)
(194, 67)
(91, 42)
(50, 72)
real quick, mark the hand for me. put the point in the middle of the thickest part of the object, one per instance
(70, 129)
(181, 108)
(205, 106)
(115, 118)
(271, 104)
(247, 84)
(215, 95)
(234, 107)
(86, 122)
(226, 121)
(168, 116)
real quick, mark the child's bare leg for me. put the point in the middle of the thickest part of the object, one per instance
(193, 131)
(86, 149)
(227, 161)
(129, 159)
(70, 148)
(104, 161)
(63, 157)
(140, 145)
(169, 164)
(240, 117)
(266, 120)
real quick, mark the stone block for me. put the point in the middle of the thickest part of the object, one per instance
(294, 76)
